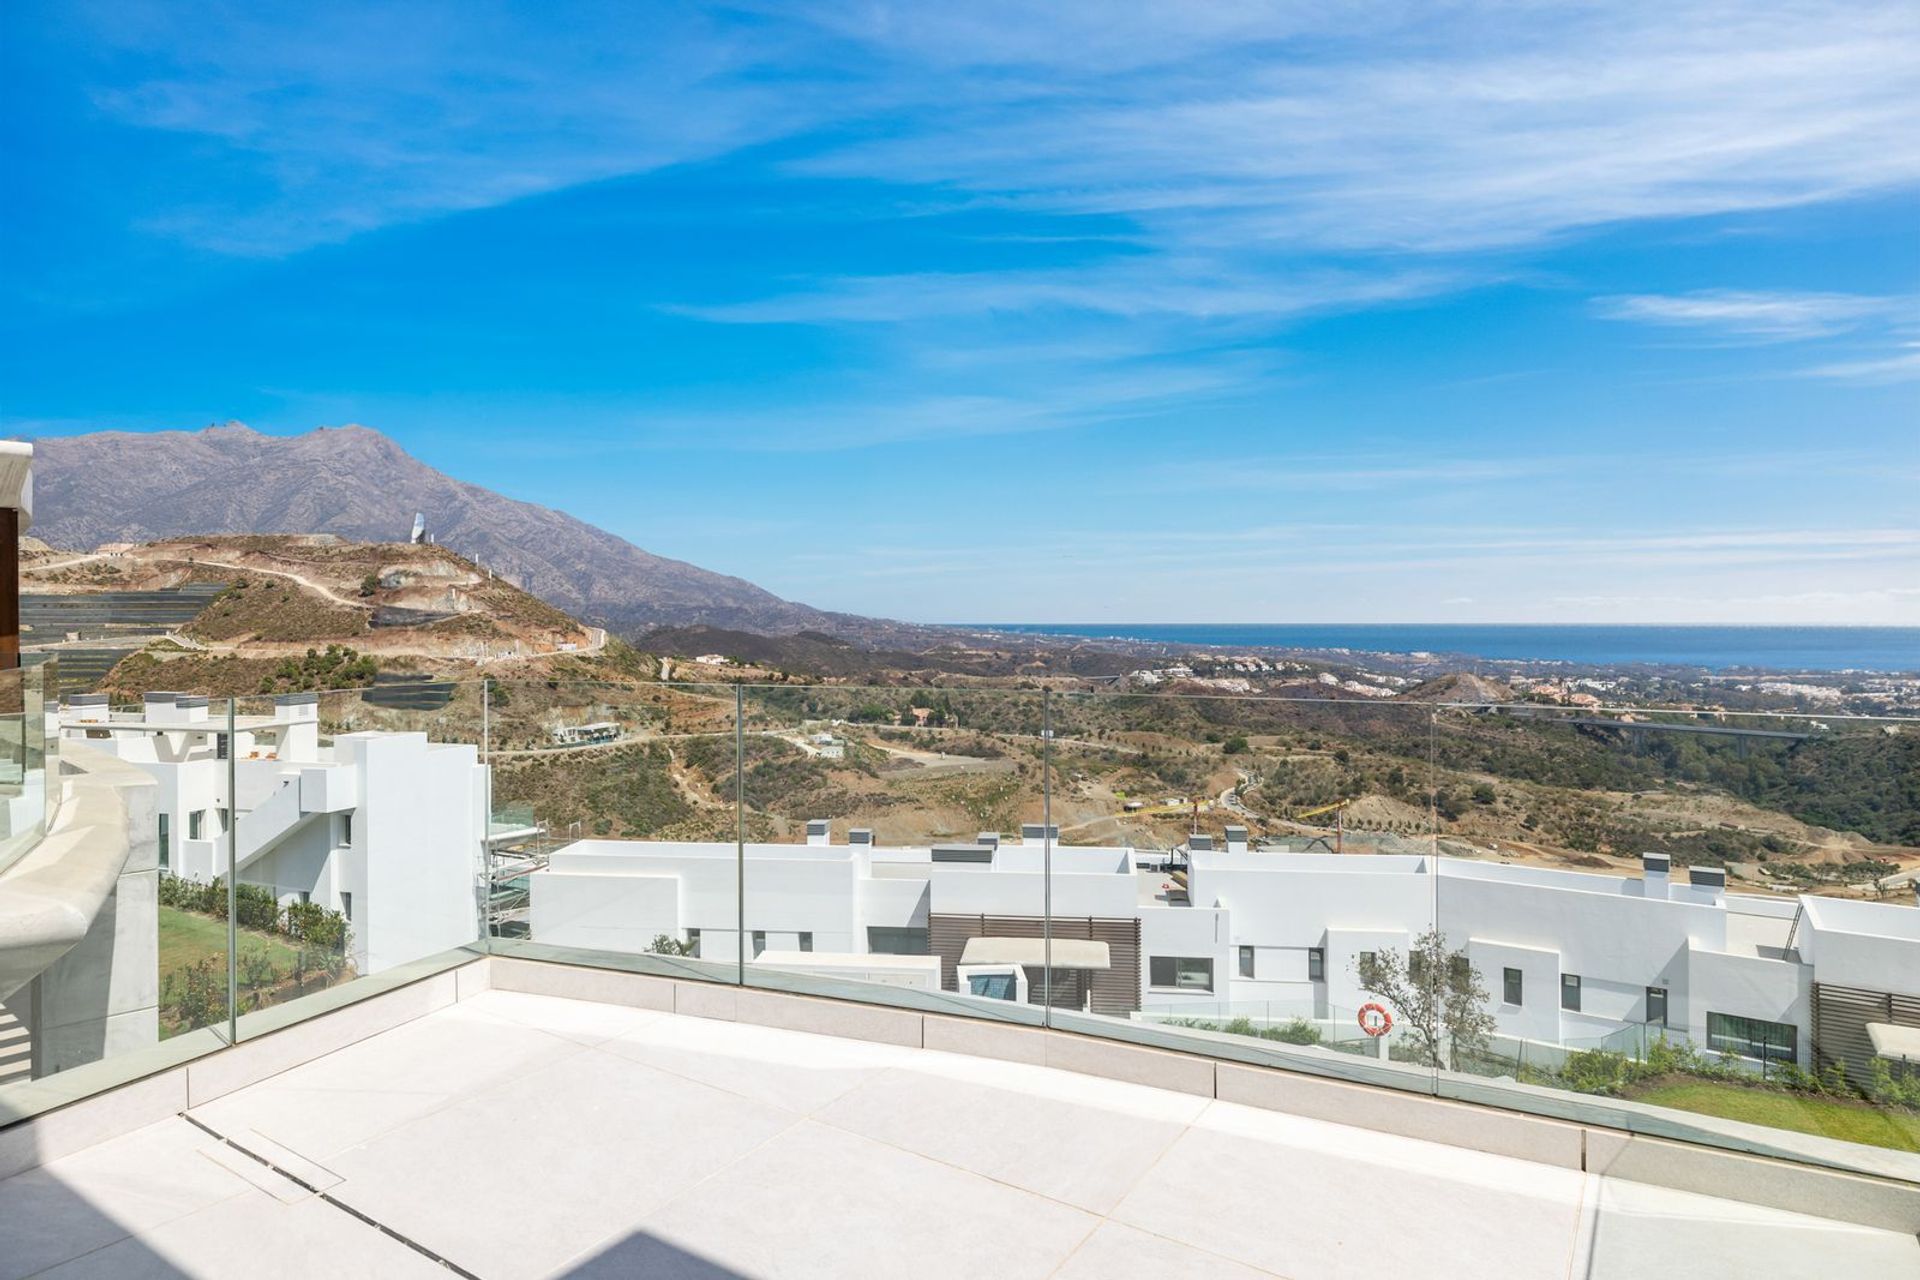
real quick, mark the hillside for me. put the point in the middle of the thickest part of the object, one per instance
(111, 487)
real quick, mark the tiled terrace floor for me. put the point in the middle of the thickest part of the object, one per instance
(518, 1135)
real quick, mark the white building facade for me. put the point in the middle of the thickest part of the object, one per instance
(385, 828)
(1570, 960)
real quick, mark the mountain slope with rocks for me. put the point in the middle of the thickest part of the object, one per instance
(353, 481)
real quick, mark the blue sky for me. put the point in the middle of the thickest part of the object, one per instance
(1070, 312)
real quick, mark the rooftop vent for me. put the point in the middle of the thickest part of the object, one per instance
(819, 831)
(1656, 864)
(991, 839)
(1707, 877)
(973, 853)
(1199, 842)
(1236, 839)
(860, 835)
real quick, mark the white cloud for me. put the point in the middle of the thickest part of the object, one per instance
(1759, 316)
(1902, 367)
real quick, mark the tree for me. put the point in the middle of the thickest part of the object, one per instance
(1437, 997)
(665, 944)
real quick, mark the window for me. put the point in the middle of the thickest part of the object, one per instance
(693, 943)
(346, 828)
(305, 897)
(1182, 973)
(197, 825)
(346, 905)
(166, 841)
(1657, 1005)
(1753, 1038)
(1368, 959)
(759, 942)
(1570, 991)
(806, 941)
(1246, 962)
(1316, 964)
(1511, 986)
(994, 986)
(222, 746)
(886, 940)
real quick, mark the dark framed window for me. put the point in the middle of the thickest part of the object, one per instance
(1182, 973)
(806, 941)
(1246, 962)
(888, 940)
(197, 824)
(1570, 991)
(166, 842)
(222, 746)
(1316, 964)
(759, 942)
(693, 943)
(1369, 960)
(1657, 1005)
(346, 906)
(1753, 1038)
(1512, 986)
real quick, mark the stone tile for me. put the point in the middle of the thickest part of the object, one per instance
(1777, 1184)
(1411, 1115)
(787, 1069)
(1081, 1141)
(512, 1181)
(471, 979)
(982, 1039)
(129, 1184)
(350, 1097)
(713, 1000)
(255, 1235)
(1117, 1252)
(1183, 1073)
(828, 1017)
(576, 982)
(254, 1060)
(92, 1120)
(1307, 1199)
(817, 1202)
(1643, 1230)
(581, 1021)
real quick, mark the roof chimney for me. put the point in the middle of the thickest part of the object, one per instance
(1236, 839)
(1654, 870)
(819, 831)
(1197, 843)
(991, 839)
(860, 835)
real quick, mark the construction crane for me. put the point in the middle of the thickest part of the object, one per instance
(1339, 811)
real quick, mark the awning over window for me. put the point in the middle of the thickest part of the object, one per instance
(1889, 1041)
(1068, 953)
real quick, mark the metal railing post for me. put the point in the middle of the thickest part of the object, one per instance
(233, 875)
(740, 831)
(1046, 855)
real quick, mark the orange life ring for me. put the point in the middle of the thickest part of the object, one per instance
(1378, 1025)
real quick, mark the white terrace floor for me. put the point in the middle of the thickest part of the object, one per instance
(520, 1135)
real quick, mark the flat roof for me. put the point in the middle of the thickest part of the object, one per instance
(1890, 1041)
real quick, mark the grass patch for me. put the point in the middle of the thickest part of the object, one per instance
(1827, 1117)
(187, 939)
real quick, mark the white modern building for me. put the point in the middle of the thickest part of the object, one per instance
(385, 828)
(1570, 960)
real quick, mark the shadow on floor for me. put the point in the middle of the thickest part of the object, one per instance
(644, 1254)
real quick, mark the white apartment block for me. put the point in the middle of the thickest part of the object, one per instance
(385, 828)
(1571, 960)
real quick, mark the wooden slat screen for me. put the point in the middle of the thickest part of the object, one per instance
(1840, 1018)
(1116, 991)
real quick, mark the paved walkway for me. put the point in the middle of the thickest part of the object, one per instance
(515, 1135)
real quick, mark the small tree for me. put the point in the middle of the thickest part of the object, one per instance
(1437, 997)
(665, 944)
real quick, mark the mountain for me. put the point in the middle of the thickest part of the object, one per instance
(115, 486)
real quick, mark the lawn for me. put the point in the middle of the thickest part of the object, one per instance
(1830, 1118)
(187, 938)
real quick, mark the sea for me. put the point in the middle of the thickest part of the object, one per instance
(1779, 649)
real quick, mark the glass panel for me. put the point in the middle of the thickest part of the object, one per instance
(898, 832)
(132, 974)
(612, 836)
(1277, 852)
(1725, 902)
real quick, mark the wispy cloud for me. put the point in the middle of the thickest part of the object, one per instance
(1903, 366)
(1756, 316)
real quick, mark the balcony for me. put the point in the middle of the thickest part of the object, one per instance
(515, 1119)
